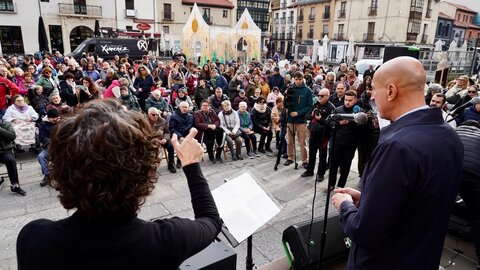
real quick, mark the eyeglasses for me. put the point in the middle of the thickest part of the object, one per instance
(472, 92)
(154, 114)
(322, 96)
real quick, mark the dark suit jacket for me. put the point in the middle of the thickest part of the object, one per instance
(408, 189)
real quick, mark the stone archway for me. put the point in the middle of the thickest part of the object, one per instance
(78, 35)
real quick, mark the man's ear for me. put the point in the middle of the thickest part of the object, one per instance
(392, 92)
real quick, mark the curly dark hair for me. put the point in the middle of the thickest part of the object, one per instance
(103, 160)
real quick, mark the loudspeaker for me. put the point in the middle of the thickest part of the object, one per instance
(396, 51)
(217, 255)
(305, 252)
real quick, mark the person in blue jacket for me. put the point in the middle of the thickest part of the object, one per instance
(400, 217)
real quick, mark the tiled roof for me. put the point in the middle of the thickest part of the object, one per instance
(445, 16)
(462, 7)
(210, 3)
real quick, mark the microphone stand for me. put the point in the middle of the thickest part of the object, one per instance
(331, 179)
(283, 133)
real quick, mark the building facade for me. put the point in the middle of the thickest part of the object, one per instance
(372, 24)
(314, 17)
(464, 28)
(444, 29)
(284, 28)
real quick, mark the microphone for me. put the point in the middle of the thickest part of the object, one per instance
(472, 101)
(359, 118)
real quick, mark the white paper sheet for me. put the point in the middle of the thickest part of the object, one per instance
(244, 206)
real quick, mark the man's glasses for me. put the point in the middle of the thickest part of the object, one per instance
(154, 114)
(472, 92)
(321, 96)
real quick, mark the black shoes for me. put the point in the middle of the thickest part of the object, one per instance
(219, 160)
(268, 149)
(288, 162)
(305, 165)
(18, 190)
(319, 178)
(239, 157)
(1, 182)
(213, 160)
(171, 168)
(234, 158)
(179, 164)
(44, 181)
(261, 150)
(306, 174)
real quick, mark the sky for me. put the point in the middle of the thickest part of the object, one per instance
(473, 4)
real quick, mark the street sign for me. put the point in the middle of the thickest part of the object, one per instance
(143, 26)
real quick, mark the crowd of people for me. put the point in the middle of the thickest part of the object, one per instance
(233, 105)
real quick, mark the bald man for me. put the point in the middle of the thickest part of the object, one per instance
(400, 217)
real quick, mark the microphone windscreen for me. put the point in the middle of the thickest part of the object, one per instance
(361, 118)
(475, 100)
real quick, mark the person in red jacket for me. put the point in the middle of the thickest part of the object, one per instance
(7, 90)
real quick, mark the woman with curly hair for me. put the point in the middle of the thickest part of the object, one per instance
(88, 91)
(103, 163)
(206, 73)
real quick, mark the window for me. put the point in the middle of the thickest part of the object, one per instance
(206, 15)
(343, 6)
(11, 39)
(417, 3)
(80, 7)
(440, 29)
(167, 11)
(45, 1)
(129, 4)
(340, 29)
(371, 27)
(324, 30)
(374, 4)
(7, 5)
(166, 30)
(225, 13)
(129, 28)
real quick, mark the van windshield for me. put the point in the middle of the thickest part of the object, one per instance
(79, 49)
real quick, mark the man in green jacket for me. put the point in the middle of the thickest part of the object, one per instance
(299, 102)
(7, 135)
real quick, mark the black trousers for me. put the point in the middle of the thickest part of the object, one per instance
(264, 135)
(210, 137)
(250, 138)
(170, 151)
(470, 193)
(9, 161)
(315, 145)
(342, 157)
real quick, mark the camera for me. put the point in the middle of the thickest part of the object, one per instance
(289, 96)
(316, 112)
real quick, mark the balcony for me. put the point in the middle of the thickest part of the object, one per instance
(326, 16)
(290, 20)
(412, 36)
(274, 36)
(289, 36)
(311, 17)
(283, 21)
(323, 34)
(168, 16)
(130, 13)
(300, 18)
(310, 35)
(208, 19)
(372, 11)
(281, 36)
(299, 35)
(416, 13)
(342, 13)
(429, 13)
(368, 37)
(283, 5)
(8, 7)
(339, 36)
(75, 10)
(424, 39)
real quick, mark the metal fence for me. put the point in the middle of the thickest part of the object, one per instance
(460, 62)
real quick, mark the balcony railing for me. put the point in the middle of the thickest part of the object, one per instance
(300, 18)
(289, 36)
(429, 13)
(283, 5)
(130, 13)
(299, 35)
(283, 20)
(412, 36)
(368, 37)
(79, 10)
(290, 20)
(372, 11)
(275, 36)
(8, 7)
(310, 35)
(311, 17)
(168, 16)
(339, 36)
(342, 13)
(424, 39)
(282, 36)
(416, 13)
(208, 19)
(326, 16)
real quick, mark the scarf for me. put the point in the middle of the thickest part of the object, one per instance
(21, 109)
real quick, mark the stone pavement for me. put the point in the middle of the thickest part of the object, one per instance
(171, 198)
